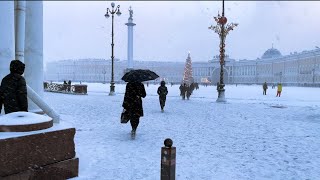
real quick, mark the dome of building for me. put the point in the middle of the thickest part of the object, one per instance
(271, 53)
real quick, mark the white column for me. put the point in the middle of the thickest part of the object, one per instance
(44, 106)
(130, 25)
(6, 36)
(34, 49)
(20, 20)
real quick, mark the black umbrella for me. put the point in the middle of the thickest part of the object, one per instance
(139, 75)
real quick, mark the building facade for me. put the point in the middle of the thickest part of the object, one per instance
(298, 69)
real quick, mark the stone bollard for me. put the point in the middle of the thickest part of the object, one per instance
(168, 161)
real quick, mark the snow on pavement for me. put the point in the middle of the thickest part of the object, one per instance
(245, 138)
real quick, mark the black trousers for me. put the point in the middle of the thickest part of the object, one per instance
(264, 92)
(162, 101)
(134, 121)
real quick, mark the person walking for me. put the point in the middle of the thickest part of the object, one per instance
(162, 92)
(132, 103)
(188, 91)
(13, 89)
(65, 86)
(265, 87)
(279, 90)
(183, 89)
(69, 85)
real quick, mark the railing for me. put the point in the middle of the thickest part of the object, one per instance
(80, 89)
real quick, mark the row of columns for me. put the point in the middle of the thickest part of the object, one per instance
(21, 35)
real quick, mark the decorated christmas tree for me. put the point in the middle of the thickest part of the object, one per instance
(187, 75)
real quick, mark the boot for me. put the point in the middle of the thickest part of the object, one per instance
(133, 134)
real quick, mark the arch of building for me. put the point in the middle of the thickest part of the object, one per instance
(215, 75)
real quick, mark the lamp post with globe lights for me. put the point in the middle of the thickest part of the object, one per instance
(112, 12)
(222, 29)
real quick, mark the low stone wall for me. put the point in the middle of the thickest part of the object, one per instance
(45, 155)
(78, 89)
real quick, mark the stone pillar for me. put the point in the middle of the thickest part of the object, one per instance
(130, 25)
(6, 36)
(34, 49)
(168, 161)
(20, 20)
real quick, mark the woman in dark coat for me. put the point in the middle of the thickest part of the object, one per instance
(14, 89)
(132, 103)
(162, 92)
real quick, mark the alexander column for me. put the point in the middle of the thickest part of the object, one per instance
(130, 25)
(222, 31)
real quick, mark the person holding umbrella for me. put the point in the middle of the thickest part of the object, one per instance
(135, 91)
(132, 103)
(162, 92)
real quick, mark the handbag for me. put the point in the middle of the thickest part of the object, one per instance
(124, 116)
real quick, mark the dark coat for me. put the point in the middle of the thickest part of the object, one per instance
(132, 101)
(189, 91)
(14, 89)
(265, 86)
(183, 89)
(162, 91)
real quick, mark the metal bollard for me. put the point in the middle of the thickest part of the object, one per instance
(168, 161)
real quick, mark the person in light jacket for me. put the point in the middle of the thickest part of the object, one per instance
(279, 90)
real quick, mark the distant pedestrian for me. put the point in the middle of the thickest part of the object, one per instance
(69, 85)
(162, 92)
(188, 91)
(279, 90)
(13, 89)
(132, 103)
(265, 87)
(65, 86)
(191, 88)
(183, 89)
(197, 86)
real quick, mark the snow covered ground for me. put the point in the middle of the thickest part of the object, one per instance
(246, 138)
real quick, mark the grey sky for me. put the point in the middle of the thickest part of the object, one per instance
(166, 31)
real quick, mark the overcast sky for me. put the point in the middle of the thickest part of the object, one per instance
(166, 31)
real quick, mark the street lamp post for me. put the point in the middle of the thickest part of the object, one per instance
(112, 12)
(222, 30)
